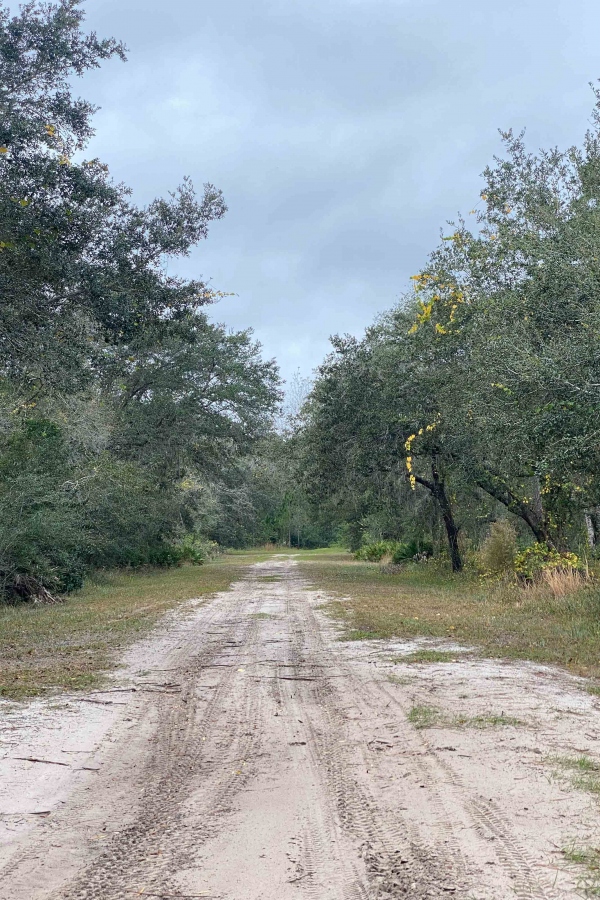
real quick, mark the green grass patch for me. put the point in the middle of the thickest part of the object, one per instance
(425, 716)
(502, 620)
(433, 717)
(428, 656)
(69, 646)
(582, 772)
(588, 859)
(488, 720)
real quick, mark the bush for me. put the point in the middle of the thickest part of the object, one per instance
(533, 562)
(374, 552)
(499, 550)
(416, 550)
(398, 552)
(197, 550)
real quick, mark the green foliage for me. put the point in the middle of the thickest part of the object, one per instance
(539, 558)
(374, 552)
(126, 417)
(476, 398)
(415, 550)
(398, 551)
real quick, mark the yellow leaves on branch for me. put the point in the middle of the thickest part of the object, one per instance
(449, 296)
(408, 447)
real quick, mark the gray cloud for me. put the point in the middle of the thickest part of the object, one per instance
(344, 133)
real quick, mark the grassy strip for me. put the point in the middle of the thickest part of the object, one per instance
(71, 645)
(422, 600)
(433, 717)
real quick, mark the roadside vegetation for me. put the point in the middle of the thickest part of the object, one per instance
(497, 618)
(70, 646)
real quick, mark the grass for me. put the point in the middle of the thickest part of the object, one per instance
(71, 645)
(428, 656)
(589, 859)
(489, 720)
(501, 620)
(582, 772)
(432, 717)
(425, 716)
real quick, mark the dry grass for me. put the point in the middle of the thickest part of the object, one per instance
(71, 645)
(555, 622)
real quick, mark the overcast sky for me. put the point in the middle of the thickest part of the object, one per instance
(343, 133)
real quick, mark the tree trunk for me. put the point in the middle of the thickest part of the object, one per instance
(452, 528)
(438, 490)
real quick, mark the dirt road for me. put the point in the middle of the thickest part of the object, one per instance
(245, 753)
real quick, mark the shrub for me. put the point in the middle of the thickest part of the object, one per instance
(197, 550)
(374, 552)
(417, 550)
(538, 559)
(499, 550)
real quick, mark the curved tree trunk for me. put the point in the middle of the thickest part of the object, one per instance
(438, 490)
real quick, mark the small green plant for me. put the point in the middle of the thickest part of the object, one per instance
(375, 551)
(196, 550)
(424, 716)
(589, 859)
(397, 551)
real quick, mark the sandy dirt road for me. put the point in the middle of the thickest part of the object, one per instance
(245, 753)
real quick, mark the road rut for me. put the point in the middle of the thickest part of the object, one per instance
(264, 760)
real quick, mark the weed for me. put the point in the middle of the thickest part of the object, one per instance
(583, 772)
(488, 720)
(263, 615)
(499, 549)
(399, 679)
(424, 716)
(589, 859)
(358, 635)
(428, 656)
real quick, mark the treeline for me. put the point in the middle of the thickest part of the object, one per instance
(133, 430)
(478, 397)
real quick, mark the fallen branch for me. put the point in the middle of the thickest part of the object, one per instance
(48, 762)
(299, 878)
(99, 702)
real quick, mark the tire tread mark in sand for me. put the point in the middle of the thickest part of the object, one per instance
(487, 820)
(132, 854)
(320, 824)
(358, 811)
